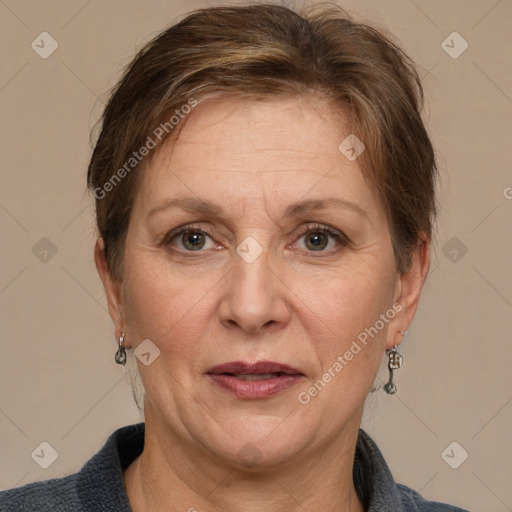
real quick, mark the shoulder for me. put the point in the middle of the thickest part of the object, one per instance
(55, 495)
(97, 487)
(412, 501)
(380, 492)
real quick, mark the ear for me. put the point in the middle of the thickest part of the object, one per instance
(409, 286)
(113, 288)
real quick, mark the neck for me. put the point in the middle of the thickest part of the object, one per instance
(172, 475)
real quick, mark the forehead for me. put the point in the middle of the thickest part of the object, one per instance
(234, 148)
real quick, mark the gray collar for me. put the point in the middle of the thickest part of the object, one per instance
(102, 477)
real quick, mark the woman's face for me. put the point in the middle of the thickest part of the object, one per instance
(285, 258)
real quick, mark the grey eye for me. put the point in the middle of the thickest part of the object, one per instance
(193, 240)
(316, 241)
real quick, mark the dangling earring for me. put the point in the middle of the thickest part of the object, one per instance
(121, 351)
(395, 361)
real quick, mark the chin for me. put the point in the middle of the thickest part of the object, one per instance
(257, 442)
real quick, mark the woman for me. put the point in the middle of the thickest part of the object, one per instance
(264, 190)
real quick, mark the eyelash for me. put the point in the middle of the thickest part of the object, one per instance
(189, 228)
(338, 236)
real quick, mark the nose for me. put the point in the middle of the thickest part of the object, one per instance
(255, 297)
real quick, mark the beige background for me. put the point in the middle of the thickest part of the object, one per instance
(59, 381)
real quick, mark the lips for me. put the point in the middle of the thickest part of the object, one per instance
(254, 380)
(258, 368)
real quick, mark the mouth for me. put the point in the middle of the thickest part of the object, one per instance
(254, 380)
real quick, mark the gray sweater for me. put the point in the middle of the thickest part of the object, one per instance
(99, 485)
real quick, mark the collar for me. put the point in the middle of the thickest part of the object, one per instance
(103, 473)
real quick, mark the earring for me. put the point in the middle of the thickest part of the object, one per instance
(121, 351)
(395, 361)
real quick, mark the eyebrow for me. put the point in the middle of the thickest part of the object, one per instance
(310, 205)
(189, 204)
(196, 205)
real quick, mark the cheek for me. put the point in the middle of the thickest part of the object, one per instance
(346, 301)
(342, 315)
(170, 306)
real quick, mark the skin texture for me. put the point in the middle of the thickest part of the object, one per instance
(292, 305)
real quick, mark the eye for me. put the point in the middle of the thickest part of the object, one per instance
(320, 239)
(189, 238)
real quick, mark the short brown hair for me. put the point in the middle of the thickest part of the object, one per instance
(263, 51)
